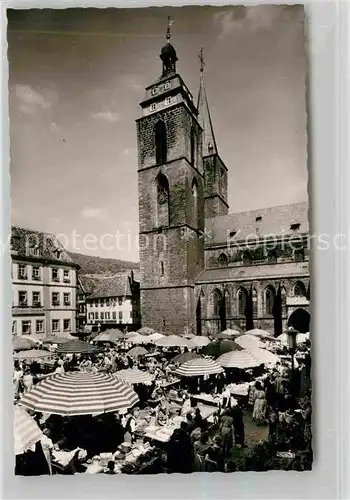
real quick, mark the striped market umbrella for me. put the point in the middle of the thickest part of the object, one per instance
(186, 356)
(246, 340)
(22, 344)
(199, 341)
(238, 359)
(79, 393)
(76, 346)
(33, 354)
(198, 368)
(257, 332)
(173, 341)
(137, 351)
(26, 431)
(134, 376)
(145, 330)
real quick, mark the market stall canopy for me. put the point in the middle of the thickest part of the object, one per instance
(228, 334)
(140, 339)
(186, 356)
(26, 430)
(247, 340)
(198, 368)
(111, 336)
(188, 335)
(137, 351)
(22, 344)
(76, 346)
(134, 376)
(219, 347)
(173, 341)
(263, 356)
(57, 339)
(32, 354)
(238, 359)
(145, 330)
(263, 334)
(199, 342)
(79, 393)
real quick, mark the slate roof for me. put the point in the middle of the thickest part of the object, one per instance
(254, 272)
(106, 286)
(274, 221)
(38, 245)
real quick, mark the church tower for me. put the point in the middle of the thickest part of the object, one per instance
(171, 200)
(215, 171)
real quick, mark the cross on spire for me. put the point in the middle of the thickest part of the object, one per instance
(201, 60)
(168, 31)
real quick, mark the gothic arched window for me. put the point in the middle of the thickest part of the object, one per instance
(160, 136)
(217, 297)
(242, 296)
(162, 200)
(270, 295)
(246, 258)
(193, 147)
(223, 260)
(299, 289)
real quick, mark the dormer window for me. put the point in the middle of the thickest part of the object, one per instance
(58, 253)
(210, 148)
(295, 227)
(153, 106)
(258, 219)
(166, 85)
(154, 90)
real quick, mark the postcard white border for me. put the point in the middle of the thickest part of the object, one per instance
(328, 188)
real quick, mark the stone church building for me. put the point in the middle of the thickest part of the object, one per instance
(199, 263)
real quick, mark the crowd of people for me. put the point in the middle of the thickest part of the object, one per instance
(277, 399)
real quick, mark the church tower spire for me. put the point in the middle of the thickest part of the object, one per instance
(204, 118)
(215, 171)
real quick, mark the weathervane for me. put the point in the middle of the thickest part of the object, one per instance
(168, 32)
(201, 60)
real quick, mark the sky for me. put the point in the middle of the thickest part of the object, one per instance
(77, 76)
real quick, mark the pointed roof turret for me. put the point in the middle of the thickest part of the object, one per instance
(209, 143)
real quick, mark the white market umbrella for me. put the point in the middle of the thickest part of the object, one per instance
(243, 359)
(199, 342)
(173, 341)
(264, 356)
(247, 340)
(300, 338)
(257, 332)
(140, 339)
(145, 330)
(79, 393)
(26, 431)
(155, 336)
